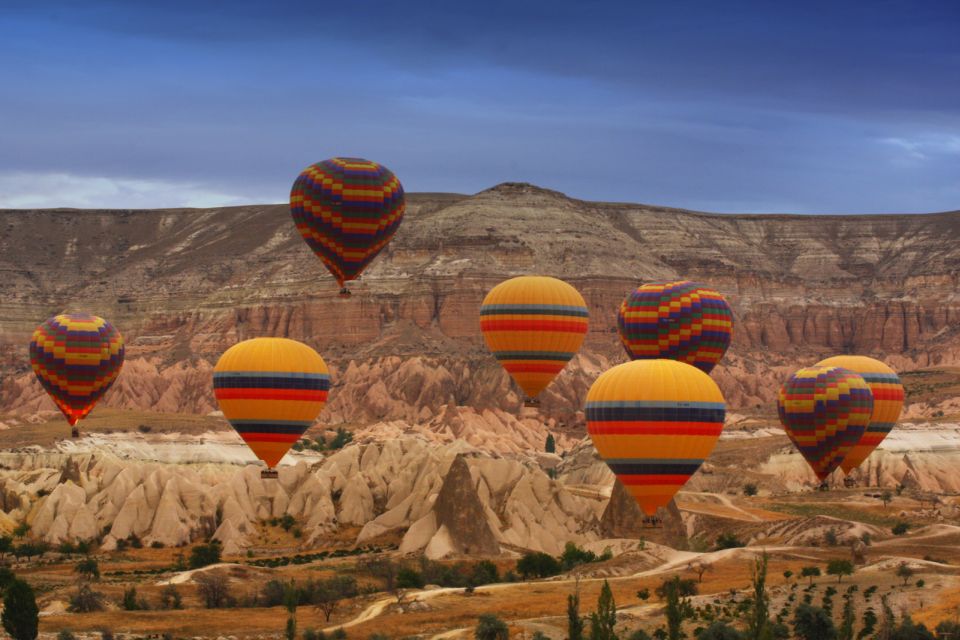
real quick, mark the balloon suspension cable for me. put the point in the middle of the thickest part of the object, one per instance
(269, 474)
(345, 293)
(74, 432)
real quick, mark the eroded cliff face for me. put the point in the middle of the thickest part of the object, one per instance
(183, 285)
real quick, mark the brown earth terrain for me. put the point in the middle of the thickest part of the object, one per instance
(445, 466)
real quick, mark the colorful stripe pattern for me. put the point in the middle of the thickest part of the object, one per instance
(887, 393)
(825, 411)
(679, 321)
(271, 390)
(533, 325)
(654, 422)
(347, 210)
(76, 357)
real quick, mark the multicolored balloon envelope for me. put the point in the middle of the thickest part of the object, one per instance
(825, 411)
(678, 321)
(347, 210)
(654, 422)
(271, 390)
(533, 325)
(887, 393)
(76, 357)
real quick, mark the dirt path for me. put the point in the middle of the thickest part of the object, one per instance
(725, 501)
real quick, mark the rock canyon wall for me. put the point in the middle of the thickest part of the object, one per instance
(183, 285)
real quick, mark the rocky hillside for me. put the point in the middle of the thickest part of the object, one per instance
(183, 285)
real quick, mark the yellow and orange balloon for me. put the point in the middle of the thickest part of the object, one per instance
(654, 422)
(887, 391)
(271, 390)
(533, 325)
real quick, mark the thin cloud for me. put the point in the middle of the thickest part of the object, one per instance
(22, 190)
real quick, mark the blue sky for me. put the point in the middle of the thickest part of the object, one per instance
(721, 106)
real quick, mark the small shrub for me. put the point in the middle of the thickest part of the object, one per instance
(729, 541)
(750, 489)
(66, 634)
(900, 528)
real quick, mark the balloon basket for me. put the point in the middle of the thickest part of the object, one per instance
(269, 474)
(849, 482)
(345, 293)
(824, 486)
(652, 521)
(74, 433)
(531, 403)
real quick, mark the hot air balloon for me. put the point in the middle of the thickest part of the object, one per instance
(678, 321)
(347, 210)
(76, 357)
(533, 325)
(887, 393)
(271, 390)
(654, 422)
(825, 411)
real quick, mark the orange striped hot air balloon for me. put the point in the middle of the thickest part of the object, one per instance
(76, 357)
(887, 393)
(654, 422)
(533, 325)
(271, 390)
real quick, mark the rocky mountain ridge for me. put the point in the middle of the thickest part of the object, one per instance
(183, 285)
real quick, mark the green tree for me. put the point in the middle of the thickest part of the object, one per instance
(678, 606)
(204, 555)
(170, 598)
(538, 564)
(21, 530)
(86, 600)
(908, 630)
(813, 623)
(729, 541)
(130, 602)
(6, 546)
(900, 528)
(6, 579)
(408, 578)
(810, 572)
(291, 598)
(758, 622)
(490, 627)
(328, 594)
(21, 616)
(574, 621)
(904, 572)
(787, 575)
(685, 587)
(639, 634)
(484, 572)
(840, 568)
(573, 556)
(846, 630)
(551, 444)
(88, 568)
(886, 497)
(643, 594)
(341, 440)
(750, 489)
(604, 618)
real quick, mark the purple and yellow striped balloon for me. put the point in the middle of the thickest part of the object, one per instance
(825, 411)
